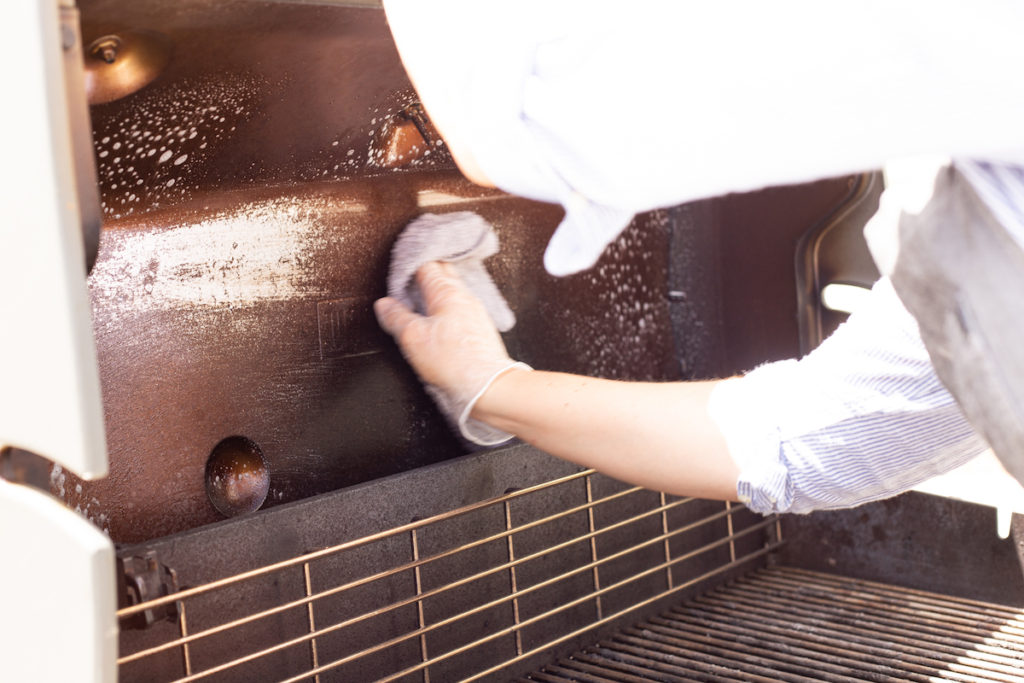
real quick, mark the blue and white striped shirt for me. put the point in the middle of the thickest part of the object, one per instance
(860, 418)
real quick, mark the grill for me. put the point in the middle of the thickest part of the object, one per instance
(463, 594)
(787, 624)
(251, 184)
(515, 581)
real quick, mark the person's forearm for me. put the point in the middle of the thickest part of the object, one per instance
(656, 435)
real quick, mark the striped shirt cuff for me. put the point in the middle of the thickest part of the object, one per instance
(862, 417)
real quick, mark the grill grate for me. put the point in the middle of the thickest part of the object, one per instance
(785, 624)
(463, 595)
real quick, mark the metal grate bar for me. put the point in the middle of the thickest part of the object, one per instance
(545, 615)
(308, 585)
(420, 620)
(916, 664)
(636, 548)
(732, 546)
(186, 657)
(910, 647)
(668, 546)
(912, 610)
(786, 624)
(847, 621)
(583, 671)
(513, 585)
(688, 663)
(419, 562)
(480, 608)
(356, 543)
(801, 660)
(703, 648)
(639, 668)
(593, 546)
(894, 621)
(964, 615)
(966, 604)
(643, 603)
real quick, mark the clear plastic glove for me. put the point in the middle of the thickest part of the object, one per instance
(455, 348)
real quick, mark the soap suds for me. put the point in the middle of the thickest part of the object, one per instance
(164, 137)
(251, 254)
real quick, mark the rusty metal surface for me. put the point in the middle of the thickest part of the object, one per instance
(247, 313)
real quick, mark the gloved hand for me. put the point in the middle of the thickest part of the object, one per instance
(455, 348)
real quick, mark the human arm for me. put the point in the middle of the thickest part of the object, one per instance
(655, 435)
(862, 417)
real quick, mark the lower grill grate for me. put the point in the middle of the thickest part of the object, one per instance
(785, 624)
(483, 591)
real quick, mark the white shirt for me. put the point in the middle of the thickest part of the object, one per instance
(860, 418)
(611, 108)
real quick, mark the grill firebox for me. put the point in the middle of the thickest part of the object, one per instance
(251, 194)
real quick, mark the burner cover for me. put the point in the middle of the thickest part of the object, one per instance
(120, 64)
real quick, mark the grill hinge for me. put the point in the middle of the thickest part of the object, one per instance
(141, 579)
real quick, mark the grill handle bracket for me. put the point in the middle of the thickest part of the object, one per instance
(143, 578)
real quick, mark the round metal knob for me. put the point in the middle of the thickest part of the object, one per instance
(237, 479)
(119, 65)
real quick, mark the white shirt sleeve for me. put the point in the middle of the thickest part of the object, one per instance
(614, 109)
(862, 417)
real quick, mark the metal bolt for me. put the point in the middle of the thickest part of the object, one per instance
(105, 48)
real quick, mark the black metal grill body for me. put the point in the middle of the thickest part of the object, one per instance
(251, 194)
